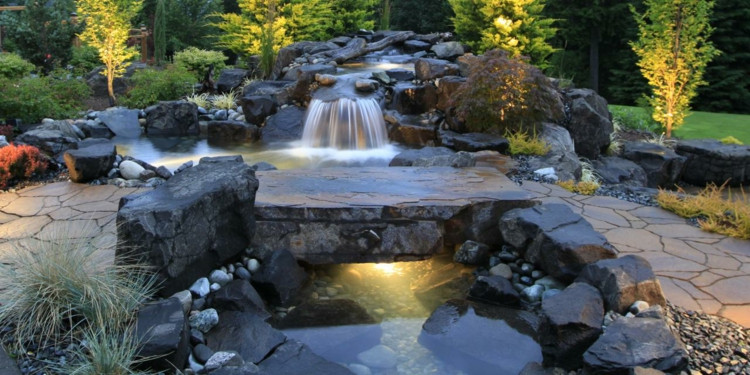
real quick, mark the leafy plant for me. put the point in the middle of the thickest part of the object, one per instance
(7, 132)
(153, 85)
(14, 66)
(633, 118)
(504, 94)
(33, 98)
(225, 101)
(201, 100)
(197, 61)
(85, 59)
(20, 162)
(523, 144)
(729, 216)
(729, 140)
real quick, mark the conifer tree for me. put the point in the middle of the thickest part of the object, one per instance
(673, 50)
(160, 32)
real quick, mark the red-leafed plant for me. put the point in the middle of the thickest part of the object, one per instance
(7, 131)
(20, 162)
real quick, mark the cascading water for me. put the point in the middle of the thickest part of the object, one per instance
(345, 124)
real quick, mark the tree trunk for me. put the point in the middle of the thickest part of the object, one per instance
(110, 87)
(594, 58)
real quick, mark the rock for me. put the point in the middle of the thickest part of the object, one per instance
(411, 46)
(277, 91)
(340, 40)
(502, 270)
(205, 320)
(359, 369)
(447, 87)
(284, 126)
(400, 74)
(549, 282)
(121, 121)
(448, 50)
(662, 165)
(89, 163)
(201, 287)
(164, 173)
(557, 240)
(202, 353)
(365, 85)
(628, 343)
(163, 335)
(495, 290)
(185, 298)
(280, 278)
(242, 273)
(294, 357)
(572, 322)
(232, 131)
(411, 135)
(176, 118)
(52, 137)
(326, 313)
(239, 295)
(247, 334)
(472, 142)
(325, 79)
(194, 365)
(533, 293)
(411, 99)
(220, 277)
(428, 69)
(253, 265)
(205, 216)
(461, 159)
(710, 161)
(408, 157)
(221, 115)
(590, 125)
(638, 307)
(222, 359)
(561, 155)
(131, 170)
(472, 253)
(623, 281)
(464, 62)
(379, 356)
(304, 77)
(98, 82)
(231, 79)
(614, 170)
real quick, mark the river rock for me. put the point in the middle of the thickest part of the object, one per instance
(428, 69)
(175, 118)
(247, 334)
(205, 216)
(239, 295)
(495, 290)
(286, 125)
(90, 161)
(163, 334)
(130, 170)
(572, 322)
(365, 85)
(204, 320)
(631, 342)
(280, 279)
(710, 161)
(623, 281)
(448, 50)
(663, 166)
(590, 125)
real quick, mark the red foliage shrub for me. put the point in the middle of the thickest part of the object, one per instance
(20, 162)
(7, 131)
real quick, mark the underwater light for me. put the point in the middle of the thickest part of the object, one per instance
(386, 268)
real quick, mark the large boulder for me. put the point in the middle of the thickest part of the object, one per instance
(590, 123)
(280, 278)
(162, 333)
(121, 121)
(257, 108)
(247, 334)
(710, 161)
(53, 137)
(175, 118)
(615, 170)
(195, 222)
(427, 69)
(572, 322)
(472, 142)
(447, 87)
(98, 81)
(555, 239)
(231, 79)
(561, 155)
(90, 161)
(629, 343)
(411, 99)
(663, 166)
(232, 131)
(407, 158)
(305, 77)
(400, 74)
(286, 125)
(411, 135)
(239, 295)
(448, 50)
(495, 290)
(326, 313)
(461, 159)
(294, 358)
(412, 46)
(623, 281)
(279, 91)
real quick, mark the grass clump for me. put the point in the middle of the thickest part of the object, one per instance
(729, 216)
(523, 144)
(107, 351)
(587, 185)
(225, 101)
(729, 140)
(201, 100)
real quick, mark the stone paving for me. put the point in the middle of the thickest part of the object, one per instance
(698, 270)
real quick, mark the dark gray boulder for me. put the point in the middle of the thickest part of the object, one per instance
(304, 77)
(461, 159)
(557, 240)
(94, 129)
(663, 166)
(615, 170)
(232, 131)
(590, 124)
(239, 295)
(280, 278)
(572, 322)
(122, 122)
(408, 157)
(257, 108)
(561, 155)
(52, 137)
(448, 50)
(447, 87)
(472, 253)
(427, 69)
(172, 119)
(634, 342)
(326, 313)
(411, 135)
(163, 334)
(411, 46)
(296, 358)
(623, 281)
(400, 74)
(495, 290)
(247, 334)
(710, 161)
(286, 125)
(231, 79)
(98, 81)
(472, 142)
(411, 99)
(195, 222)
(279, 91)
(90, 161)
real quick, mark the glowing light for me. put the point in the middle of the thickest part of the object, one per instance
(386, 268)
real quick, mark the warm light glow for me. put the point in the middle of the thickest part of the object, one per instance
(386, 268)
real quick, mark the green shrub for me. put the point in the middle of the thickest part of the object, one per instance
(523, 144)
(20, 162)
(85, 59)
(197, 61)
(634, 118)
(504, 94)
(153, 85)
(14, 66)
(33, 98)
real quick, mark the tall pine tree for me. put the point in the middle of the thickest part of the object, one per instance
(160, 32)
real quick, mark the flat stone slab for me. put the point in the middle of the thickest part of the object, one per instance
(380, 214)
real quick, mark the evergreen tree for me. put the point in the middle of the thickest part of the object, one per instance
(516, 26)
(728, 75)
(190, 23)
(433, 16)
(310, 19)
(353, 15)
(160, 36)
(673, 50)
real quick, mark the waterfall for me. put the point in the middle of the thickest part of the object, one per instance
(345, 124)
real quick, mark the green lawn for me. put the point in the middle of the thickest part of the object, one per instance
(708, 125)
